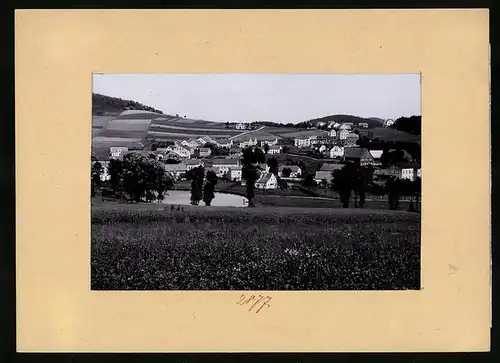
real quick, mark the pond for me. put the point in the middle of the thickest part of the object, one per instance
(221, 199)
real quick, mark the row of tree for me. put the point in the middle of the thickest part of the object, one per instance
(135, 178)
(357, 180)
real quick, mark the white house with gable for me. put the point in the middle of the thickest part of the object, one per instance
(266, 181)
(336, 152)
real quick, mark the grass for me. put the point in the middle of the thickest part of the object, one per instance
(209, 248)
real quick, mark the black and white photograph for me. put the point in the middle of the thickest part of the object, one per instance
(256, 182)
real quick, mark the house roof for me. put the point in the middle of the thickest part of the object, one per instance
(118, 148)
(205, 149)
(377, 154)
(236, 149)
(223, 141)
(323, 174)
(174, 167)
(275, 147)
(331, 167)
(353, 152)
(226, 162)
(293, 168)
(264, 178)
(193, 162)
(235, 168)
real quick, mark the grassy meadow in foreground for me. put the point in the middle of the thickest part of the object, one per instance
(254, 249)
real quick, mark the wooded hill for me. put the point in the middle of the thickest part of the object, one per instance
(102, 105)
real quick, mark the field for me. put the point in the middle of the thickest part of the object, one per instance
(143, 247)
(391, 134)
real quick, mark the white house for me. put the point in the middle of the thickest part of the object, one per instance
(295, 171)
(240, 126)
(205, 152)
(322, 148)
(224, 143)
(190, 144)
(302, 142)
(269, 140)
(363, 125)
(193, 163)
(224, 165)
(104, 175)
(235, 173)
(333, 125)
(345, 126)
(248, 142)
(342, 134)
(266, 181)
(275, 149)
(408, 173)
(181, 151)
(377, 154)
(332, 133)
(419, 173)
(336, 152)
(117, 151)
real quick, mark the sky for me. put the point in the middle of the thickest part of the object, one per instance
(268, 97)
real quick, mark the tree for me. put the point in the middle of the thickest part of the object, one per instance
(341, 184)
(285, 150)
(259, 156)
(412, 124)
(393, 187)
(282, 184)
(362, 178)
(286, 172)
(250, 173)
(227, 125)
(309, 181)
(96, 183)
(273, 166)
(144, 177)
(417, 191)
(209, 189)
(115, 171)
(323, 183)
(196, 175)
(266, 148)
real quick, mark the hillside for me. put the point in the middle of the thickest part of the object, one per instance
(372, 121)
(102, 105)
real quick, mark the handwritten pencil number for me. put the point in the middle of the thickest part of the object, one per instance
(257, 303)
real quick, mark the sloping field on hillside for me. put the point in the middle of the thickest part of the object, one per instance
(392, 134)
(304, 133)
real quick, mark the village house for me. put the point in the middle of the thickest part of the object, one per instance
(269, 140)
(390, 171)
(295, 171)
(319, 140)
(302, 142)
(333, 125)
(332, 133)
(337, 151)
(116, 152)
(346, 126)
(193, 163)
(235, 151)
(225, 143)
(358, 155)
(223, 165)
(250, 141)
(275, 149)
(240, 126)
(411, 172)
(267, 181)
(180, 150)
(190, 144)
(235, 173)
(323, 175)
(363, 125)
(351, 139)
(105, 172)
(175, 170)
(377, 155)
(205, 152)
(342, 134)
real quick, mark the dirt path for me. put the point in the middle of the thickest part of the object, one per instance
(246, 132)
